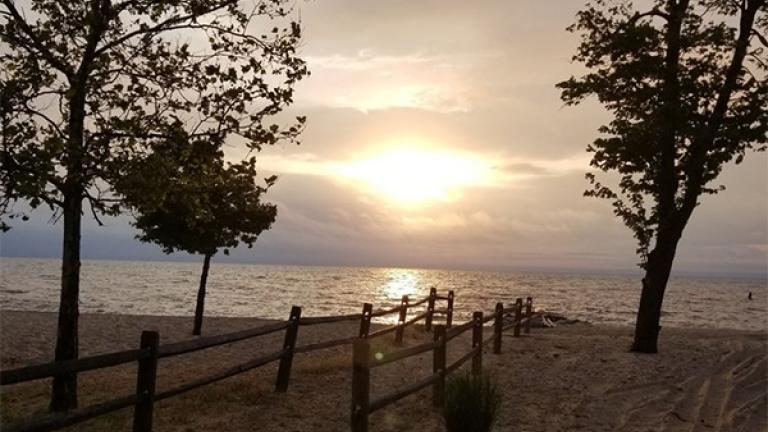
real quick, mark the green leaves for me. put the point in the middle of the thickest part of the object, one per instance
(684, 100)
(471, 403)
(198, 203)
(90, 88)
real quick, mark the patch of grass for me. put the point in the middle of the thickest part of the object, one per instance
(471, 403)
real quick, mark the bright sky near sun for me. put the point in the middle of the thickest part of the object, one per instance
(408, 176)
(415, 176)
(436, 138)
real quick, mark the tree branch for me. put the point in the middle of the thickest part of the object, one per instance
(702, 144)
(763, 40)
(653, 12)
(162, 26)
(53, 124)
(44, 51)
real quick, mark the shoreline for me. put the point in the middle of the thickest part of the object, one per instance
(168, 289)
(570, 377)
(255, 320)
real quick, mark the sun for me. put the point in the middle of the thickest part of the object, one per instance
(416, 176)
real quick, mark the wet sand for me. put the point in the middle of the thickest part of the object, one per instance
(568, 378)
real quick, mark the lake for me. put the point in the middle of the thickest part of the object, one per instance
(268, 291)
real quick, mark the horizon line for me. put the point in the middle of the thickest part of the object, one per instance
(637, 272)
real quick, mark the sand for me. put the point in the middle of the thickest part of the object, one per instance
(570, 378)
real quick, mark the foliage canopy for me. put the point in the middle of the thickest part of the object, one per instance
(89, 87)
(86, 86)
(686, 84)
(204, 205)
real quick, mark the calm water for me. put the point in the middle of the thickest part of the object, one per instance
(162, 288)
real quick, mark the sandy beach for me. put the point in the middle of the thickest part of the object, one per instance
(576, 377)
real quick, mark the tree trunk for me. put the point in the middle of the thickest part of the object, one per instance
(64, 391)
(657, 273)
(201, 296)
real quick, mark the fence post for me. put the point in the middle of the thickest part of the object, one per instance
(449, 315)
(518, 315)
(365, 320)
(284, 370)
(401, 321)
(361, 377)
(438, 366)
(477, 343)
(498, 327)
(430, 308)
(528, 314)
(145, 383)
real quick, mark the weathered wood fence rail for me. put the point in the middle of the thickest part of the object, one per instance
(364, 360)
(147, 356)
(150, 352)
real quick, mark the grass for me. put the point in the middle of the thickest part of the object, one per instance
(471, 403)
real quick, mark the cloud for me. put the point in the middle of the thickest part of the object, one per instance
(471, 79)
(367, 81)
(417, 174)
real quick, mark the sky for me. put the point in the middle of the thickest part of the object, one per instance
(436, 138)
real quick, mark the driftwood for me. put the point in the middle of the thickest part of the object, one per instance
(545, 320)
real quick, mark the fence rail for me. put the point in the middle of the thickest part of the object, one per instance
(326, 344)
(150, 352)
(399, 355)
(13, 376)
(403, 392)
(260, 361)
(362, 363)
(212, 341)
(328, 319)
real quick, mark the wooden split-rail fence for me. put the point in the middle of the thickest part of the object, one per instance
(364, 360)
(150, 352)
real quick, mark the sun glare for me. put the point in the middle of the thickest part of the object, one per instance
(415, 176)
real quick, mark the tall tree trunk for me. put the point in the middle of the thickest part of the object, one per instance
(64, 391)
(657, 273)
(198, 327)
(659, 264)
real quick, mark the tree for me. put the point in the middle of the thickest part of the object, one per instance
(686, 83)
(86, 86)
(204, 206)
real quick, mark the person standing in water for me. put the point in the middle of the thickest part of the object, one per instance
(749, 297)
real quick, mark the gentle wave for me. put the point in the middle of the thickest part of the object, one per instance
(237, 290)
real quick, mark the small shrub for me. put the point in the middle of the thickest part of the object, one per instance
(471, 403)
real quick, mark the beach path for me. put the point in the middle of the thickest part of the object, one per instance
(569, 378)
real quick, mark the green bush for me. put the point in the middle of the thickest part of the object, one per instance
(471, 403)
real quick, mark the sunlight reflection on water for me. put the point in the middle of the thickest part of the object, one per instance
(401, 282)
(166, 288)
